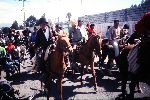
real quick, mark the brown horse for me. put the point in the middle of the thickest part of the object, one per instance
(56, 62)
(86, 55)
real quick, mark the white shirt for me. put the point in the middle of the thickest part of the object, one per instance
(114, 33)
(47, 33)
(83, 32)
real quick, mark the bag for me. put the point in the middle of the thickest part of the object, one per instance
(132, 60)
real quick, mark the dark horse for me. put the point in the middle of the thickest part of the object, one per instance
(86, 55)
(56, 66)
(142, 54)
(142, 60)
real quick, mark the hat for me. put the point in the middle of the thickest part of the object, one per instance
(126, 26)
(92, 25)
(143, 24)
(58, 26)
(42, 20)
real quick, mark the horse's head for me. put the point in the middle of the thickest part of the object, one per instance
(95, 40)
(64, 44)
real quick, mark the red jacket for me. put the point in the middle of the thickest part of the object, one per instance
(10, 48)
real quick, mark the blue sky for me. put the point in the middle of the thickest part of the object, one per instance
(10, 10)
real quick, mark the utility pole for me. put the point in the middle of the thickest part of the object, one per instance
(23, 1)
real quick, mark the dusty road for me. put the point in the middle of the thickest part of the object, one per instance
(108, 87)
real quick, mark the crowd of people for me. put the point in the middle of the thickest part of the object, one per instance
(116, 45)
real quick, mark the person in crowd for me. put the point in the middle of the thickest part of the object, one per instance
(25, 38)
(2, 57)
(114, 31)
(74, 33)
(105, 48)
(42, 41)
(10, 36)
(143, 29)
(107, 31)
(91, 30)
(16, 38)
(10, 48)
(27, 32)
(82, 30)
(87, 26)
(113, 49)
(2, 39)
(123, 63)
(32, 43)
(124, 35)
(43, 35)
(59, 31)
(33, 35)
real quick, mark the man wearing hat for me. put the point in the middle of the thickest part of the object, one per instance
(43, 34)
(42, 41)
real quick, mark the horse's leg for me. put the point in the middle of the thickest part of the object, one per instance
(87, 70)
(132, 85)
(73, 70)
(94, 75)
(139, 88)
(60, 87)
(48, 86)
(82, 67)
(103, 56)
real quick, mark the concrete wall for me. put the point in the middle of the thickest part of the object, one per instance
(126, 16)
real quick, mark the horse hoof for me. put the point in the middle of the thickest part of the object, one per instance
(61, 98)
(81, 83)
(96, 90)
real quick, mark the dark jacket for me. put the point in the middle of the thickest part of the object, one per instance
(41, 40)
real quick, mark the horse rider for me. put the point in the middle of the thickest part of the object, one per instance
(59, 31)
(43, 39)
(82, 30)
(113, 36)
(91, 30)
(75, 33)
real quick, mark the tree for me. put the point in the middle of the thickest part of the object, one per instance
(142, 1)
(6, 30)
(31, 21)
(15, 25)
(69, 16)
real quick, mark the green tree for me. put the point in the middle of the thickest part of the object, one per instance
(31, 21)
(69, 16)
(14, 25)
(142, 1)
(6, 30)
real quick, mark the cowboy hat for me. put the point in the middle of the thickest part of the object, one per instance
(42, 20)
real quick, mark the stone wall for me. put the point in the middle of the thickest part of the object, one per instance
(128, 15)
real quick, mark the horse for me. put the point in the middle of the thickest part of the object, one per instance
(141, 64)
(132, 60)
(86, 55)
(56, 61)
